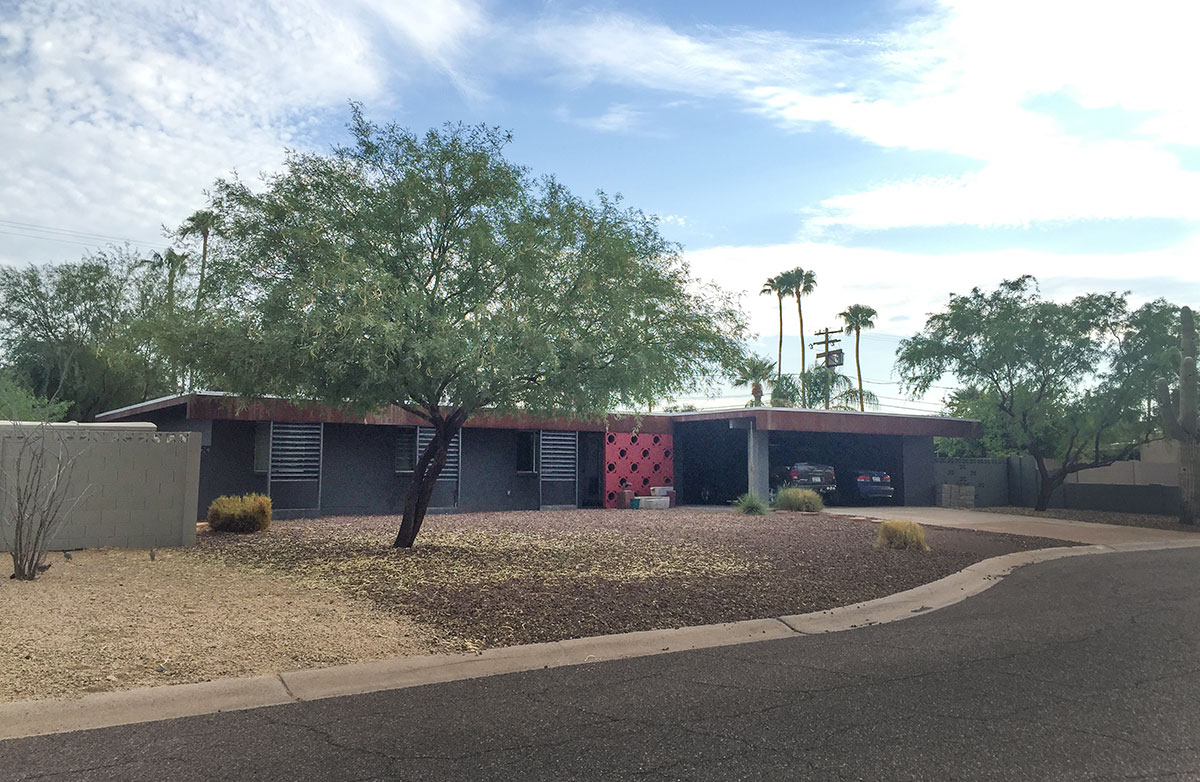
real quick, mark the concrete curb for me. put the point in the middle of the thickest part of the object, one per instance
(33, 718)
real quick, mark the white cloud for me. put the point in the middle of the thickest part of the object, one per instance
(957, 80)
(617, 118)
(118, 115)
(906, 287)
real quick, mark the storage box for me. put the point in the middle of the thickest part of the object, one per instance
(652, 503)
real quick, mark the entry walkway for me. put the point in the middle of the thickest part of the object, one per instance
(1013, 524)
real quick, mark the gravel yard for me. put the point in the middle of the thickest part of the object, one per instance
(331, 591)
(1153, 521)
(496, 579)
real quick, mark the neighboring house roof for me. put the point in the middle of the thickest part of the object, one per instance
(209, 405)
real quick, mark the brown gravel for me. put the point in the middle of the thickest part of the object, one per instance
(332, 591)
(496, 579)
(1154, 521)
(111, 619)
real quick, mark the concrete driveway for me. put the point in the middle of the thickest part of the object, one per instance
(1061, 529)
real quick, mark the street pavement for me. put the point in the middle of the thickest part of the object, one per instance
(1079, 669)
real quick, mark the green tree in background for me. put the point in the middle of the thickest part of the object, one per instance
(754, 372)
(778, 286)
(431, 273)
(859, 318)
(203, 224)
(18, 404)
(1069, 383)
(83, 332)
(801, 283)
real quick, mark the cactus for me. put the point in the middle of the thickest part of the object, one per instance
(1179, 417)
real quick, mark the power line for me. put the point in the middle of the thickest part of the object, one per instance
(66, 234)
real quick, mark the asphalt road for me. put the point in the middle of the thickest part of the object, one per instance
(1082, 668)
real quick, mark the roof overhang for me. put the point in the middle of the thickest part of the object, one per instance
(210, 405)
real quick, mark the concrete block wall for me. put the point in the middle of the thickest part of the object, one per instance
(138, 487)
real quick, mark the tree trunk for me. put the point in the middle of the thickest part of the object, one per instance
(1047, 484)
(756, 391)
(803, 357)
(862, 407)
(425, 476)
(779, 360)
(1189, 478)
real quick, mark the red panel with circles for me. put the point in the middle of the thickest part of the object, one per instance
(637, 461)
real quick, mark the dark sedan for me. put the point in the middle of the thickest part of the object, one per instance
(869, 486)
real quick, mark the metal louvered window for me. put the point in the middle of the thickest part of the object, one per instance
(406, 449)
(425, 437)
(558, 455)
(295, 452)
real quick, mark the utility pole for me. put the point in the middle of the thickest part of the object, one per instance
(833, 358)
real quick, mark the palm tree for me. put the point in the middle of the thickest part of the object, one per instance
(174, 264)
(858, 317)
(824, 386)
(778, 286)
(801, 283)
(756, 371)
(200, 223)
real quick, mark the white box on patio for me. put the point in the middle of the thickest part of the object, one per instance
(654, 503)
(660, 491)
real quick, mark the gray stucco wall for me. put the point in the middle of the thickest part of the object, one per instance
(137, 488)
(918, 476)
(490, 477)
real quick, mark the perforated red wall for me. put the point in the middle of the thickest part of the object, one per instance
(637, 461)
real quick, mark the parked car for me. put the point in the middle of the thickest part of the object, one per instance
(868, 486)
(821, 478)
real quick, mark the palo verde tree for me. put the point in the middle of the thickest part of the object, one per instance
(430, 273)
(1069, 380)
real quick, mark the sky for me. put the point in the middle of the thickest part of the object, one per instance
(902, 151)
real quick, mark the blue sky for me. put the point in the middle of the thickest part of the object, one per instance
(901, 150)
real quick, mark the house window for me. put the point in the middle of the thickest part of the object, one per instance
(406, 449)
(262, 447)
(527, 452)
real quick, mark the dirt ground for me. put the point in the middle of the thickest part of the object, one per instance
(111, 619)
(1151, 520)
(332, 591)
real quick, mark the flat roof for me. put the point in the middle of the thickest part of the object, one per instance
(216, 405)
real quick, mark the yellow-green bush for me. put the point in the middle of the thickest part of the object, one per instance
(901, 535)
(795, 498)
(247, 513)
(751, 505)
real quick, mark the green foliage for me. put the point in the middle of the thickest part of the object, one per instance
(85, 331)
(18, 404)
(795, 498)
(1180, 421)
(247, 513)
(785, 391)
(751, 505)
(901, 535)
(1070, 382)
(754, 372)
(432, 273)
(818, 382)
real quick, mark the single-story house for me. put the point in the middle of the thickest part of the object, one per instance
(316, 460)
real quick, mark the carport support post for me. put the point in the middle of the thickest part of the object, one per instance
(757, 467)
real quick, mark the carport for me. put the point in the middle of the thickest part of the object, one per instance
(720, 455)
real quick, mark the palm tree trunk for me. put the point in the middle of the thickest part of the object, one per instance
(203, 269)
(779, 360)
(803, 358)
(862, 407)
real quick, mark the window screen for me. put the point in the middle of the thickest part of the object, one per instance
(406, 449)
(527, 448)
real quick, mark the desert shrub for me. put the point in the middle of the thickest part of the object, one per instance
(901, 535)
(795, 498)
(247, 513)
(751, 505)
